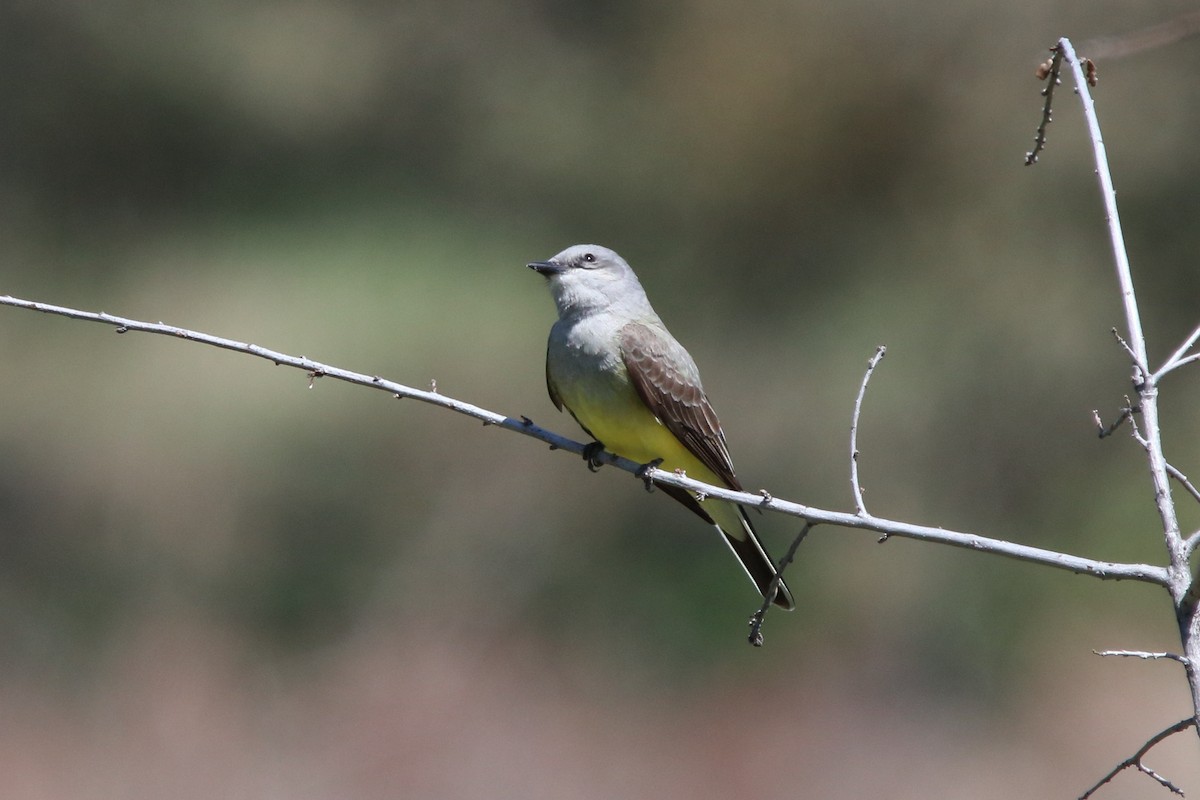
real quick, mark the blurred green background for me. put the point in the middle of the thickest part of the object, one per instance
(217, 582)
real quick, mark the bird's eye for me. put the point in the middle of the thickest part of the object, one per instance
(589, 258)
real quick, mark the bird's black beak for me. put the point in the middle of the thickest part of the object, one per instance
(547, 268)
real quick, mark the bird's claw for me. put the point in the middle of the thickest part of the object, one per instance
(644, 472)
(591, 454)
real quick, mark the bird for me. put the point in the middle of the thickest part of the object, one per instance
(614, 366)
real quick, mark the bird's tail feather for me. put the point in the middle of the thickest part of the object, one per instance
(731, 520)
(745, 544)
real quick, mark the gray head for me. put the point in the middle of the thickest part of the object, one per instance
(586, 277)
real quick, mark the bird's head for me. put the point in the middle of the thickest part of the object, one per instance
(586, 277)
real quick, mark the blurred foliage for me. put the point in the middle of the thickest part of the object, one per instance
(362, 183)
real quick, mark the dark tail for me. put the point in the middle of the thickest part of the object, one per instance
(757, 563)
(731, 520)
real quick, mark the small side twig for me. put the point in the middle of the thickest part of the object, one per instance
(855, 486)
(1173, 471)
(1050, 69)
(1136, 433)
(1143, 654)
(758, 617)
(1135, 760)
(1127, 411)
(1183, 481)
(1178, 359)
(1139, 365)
(1181, 363)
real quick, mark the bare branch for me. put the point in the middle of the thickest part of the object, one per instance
(1184, 362)
(1162, 781)
(1136, 434)
(314, 370)
(855, 486)
(1105, 570)
(1142, 654)
(1135, 760)
(1139, 375)
(1048, 72)
(1183, 481)
(1144, 443)
(1177, 358)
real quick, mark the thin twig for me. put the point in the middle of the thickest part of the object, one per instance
(1135, 760)
(1143, 654)
(1108, 195)
(1182, 363)
(1104, 570)
(1183, 481)
(1048, 72)
(1144, 443)
(790, 555)
(314, 369)
(855, 486)
(1173, 361)
(1136, 346)
(1127, 412)
(1139, 377)
(1136, 433)
(758, 617)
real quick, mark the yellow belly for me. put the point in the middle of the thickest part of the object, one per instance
(617, 417)
(627, 428)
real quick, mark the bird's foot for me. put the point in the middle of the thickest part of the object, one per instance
(644, 472)
(591, 454)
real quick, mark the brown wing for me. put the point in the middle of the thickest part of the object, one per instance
(668, 382)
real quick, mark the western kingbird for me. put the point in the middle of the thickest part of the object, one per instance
(613, 365)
